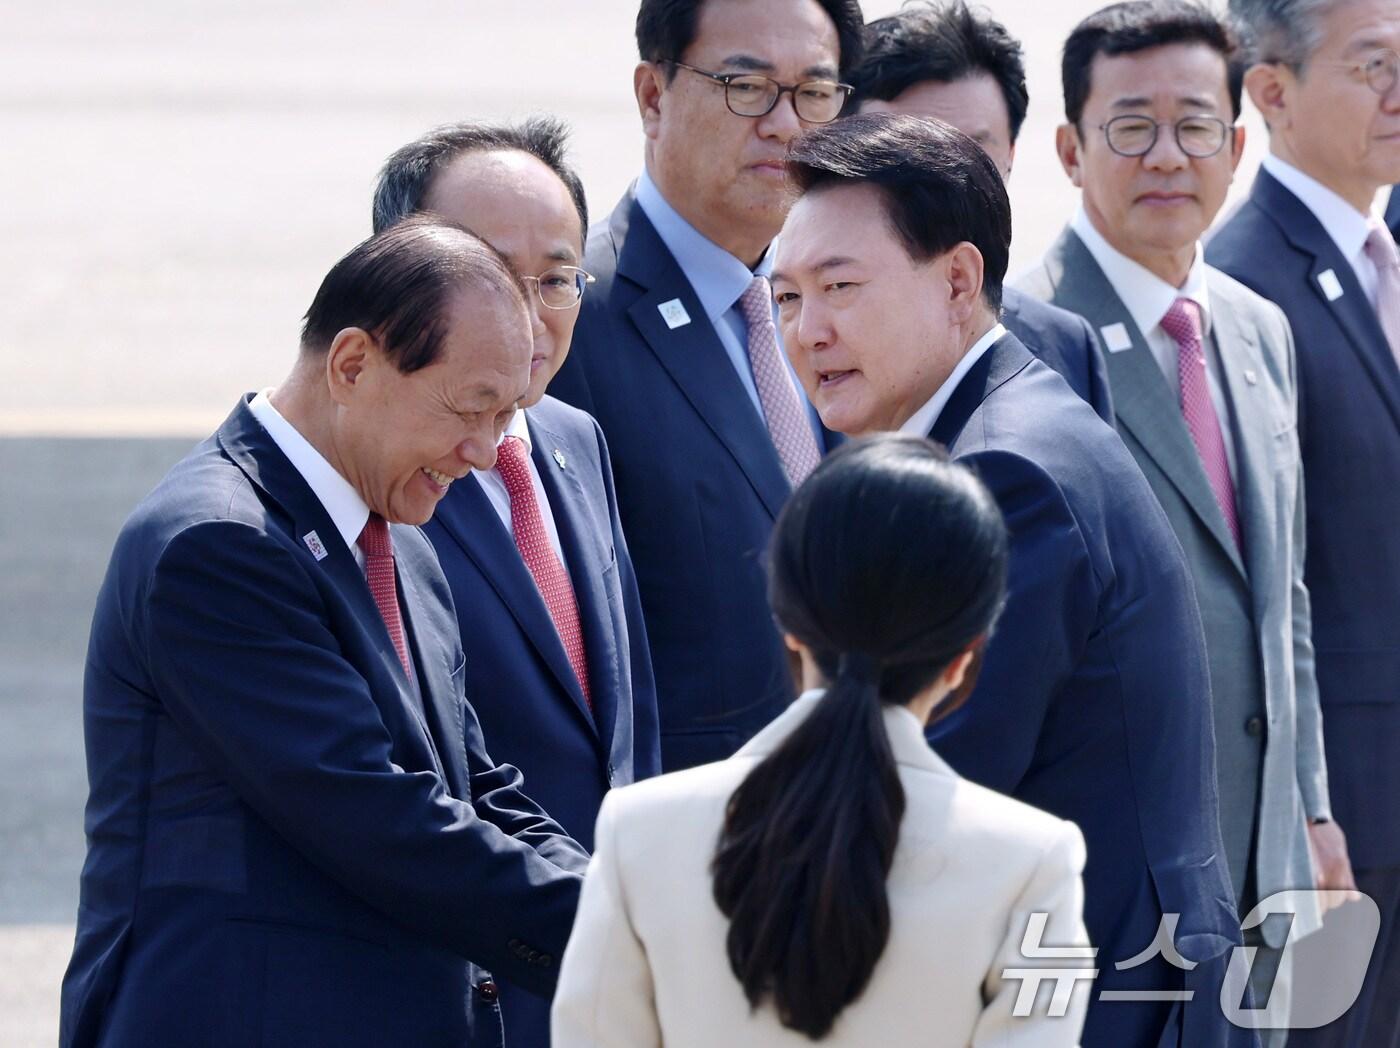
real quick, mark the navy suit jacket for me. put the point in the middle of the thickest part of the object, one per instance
(1392, 211)
(525, 692)
(1063, 340)
(286, 845)
(698, 487)
(1349, 431)
(1094, 699)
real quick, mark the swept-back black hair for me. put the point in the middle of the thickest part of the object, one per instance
(407, 176)
(888, 562)
(939, 185)
(398, 284)
(1138, 25)
(665, 28)
(942, 42)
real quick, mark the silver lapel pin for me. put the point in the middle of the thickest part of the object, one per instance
(559, 457)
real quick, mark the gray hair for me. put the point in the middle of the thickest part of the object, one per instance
(1286, 31)
(408, 174)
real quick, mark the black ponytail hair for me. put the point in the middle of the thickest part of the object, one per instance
(888, 562)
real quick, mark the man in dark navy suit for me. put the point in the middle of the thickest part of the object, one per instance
(1094, 700)
(1324, 77)
(295, 833)
(676, 353)
(952, 63)
(557, 664)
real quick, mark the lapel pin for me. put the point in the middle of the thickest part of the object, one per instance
(559, 457)
(1116, 338)
(673, 312)
(315, 545)
(1331, 286)
(1251, 376)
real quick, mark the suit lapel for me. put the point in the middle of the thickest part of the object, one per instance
(694, 357)
(586, 556)
(1352, 309)
(472, 522)
(1143, 401)
(1003, 359)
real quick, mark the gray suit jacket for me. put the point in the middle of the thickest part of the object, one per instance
(1270, 762)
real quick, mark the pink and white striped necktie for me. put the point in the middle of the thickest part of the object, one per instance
(783, 409)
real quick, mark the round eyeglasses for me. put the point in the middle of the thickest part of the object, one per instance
(1380, 70)
(1196, 136)
(752, 95)
(560, 287)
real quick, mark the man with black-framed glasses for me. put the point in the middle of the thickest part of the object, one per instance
(677, 353)
(1203, 381)
(1323, 75)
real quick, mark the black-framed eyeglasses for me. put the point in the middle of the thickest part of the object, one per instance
(560, 287)
(1196, 136)
(754, 95)
(1380, 70)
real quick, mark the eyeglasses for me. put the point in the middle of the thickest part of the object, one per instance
(751, 95)
(1197, 136)
(1380, 70)
(560, 287)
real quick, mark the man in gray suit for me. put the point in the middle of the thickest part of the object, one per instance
(1202, 376)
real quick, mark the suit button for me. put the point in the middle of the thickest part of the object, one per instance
(1254, 726)
(546, 960)
(488, 990)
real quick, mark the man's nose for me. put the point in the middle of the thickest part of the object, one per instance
(781, 122)
(478, 451)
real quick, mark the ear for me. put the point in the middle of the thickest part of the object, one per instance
(352, 351)
(965, 269)
(1269, 85)
(1237, 148)
(649, 84)
(956, 671)
(792, 643)
(1010, 162)
(1067, 146)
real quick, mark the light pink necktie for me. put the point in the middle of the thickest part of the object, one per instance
(532, 540)
(1183, 324)
(783, 410)
(378, 549)
(1380, 249)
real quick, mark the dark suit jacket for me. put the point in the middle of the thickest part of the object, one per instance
(1392, 212)
(1349, 430)
(698, 486)
(1065, 341)
(524, 690)
(1094, 701)
(286, 846)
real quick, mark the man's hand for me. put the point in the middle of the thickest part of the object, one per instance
(1331, 863)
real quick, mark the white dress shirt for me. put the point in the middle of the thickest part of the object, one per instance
(922, 420)
(1148, 298)
(495, 487)
(1344, 224)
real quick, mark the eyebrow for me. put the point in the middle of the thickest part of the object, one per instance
(562, 254)
(1198, 101)
(1366, 44)
(758, 65)
(820, 267)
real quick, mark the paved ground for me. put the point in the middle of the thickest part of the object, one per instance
(176, 179)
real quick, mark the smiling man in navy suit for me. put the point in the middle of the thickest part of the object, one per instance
(551, 622)
(950, 62)
(677, 355)
(295, 833)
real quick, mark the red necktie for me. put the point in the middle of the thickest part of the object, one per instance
(532, 540)
(1183, 324)
(379, 573)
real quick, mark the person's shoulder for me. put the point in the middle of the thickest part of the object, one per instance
(1044, 316)
(564, 420)
(1250, 309)
(1242, 237)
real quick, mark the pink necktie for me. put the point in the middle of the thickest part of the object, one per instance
(1183, 324)
(379, 573)
(1380, 249)
(531, 538)
(787, 420)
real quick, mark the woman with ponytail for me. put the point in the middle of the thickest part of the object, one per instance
(835, 881)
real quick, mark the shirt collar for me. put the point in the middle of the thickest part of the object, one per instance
(337, 496)
(1146, 295)
(519, 427)
(921, 422)
(717, 277)
(1347, 226)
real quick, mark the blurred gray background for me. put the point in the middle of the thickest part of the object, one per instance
(176, 179)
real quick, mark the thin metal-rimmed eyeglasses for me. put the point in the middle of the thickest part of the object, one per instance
(1197, 136)
(560, 287)
(753, 95)
(1380, 69)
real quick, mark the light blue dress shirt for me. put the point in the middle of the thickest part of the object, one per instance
(718, 280)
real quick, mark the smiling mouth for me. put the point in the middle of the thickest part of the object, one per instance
(442, 480)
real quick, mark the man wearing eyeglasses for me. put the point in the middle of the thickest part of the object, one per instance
(556, 662)
(1324, 76)
(677, 354)
(1202, 375)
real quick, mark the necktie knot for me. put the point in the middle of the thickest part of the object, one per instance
(374, 539)
(1380, 247)
(1183, 322)
(510, 462)
(756, 303)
